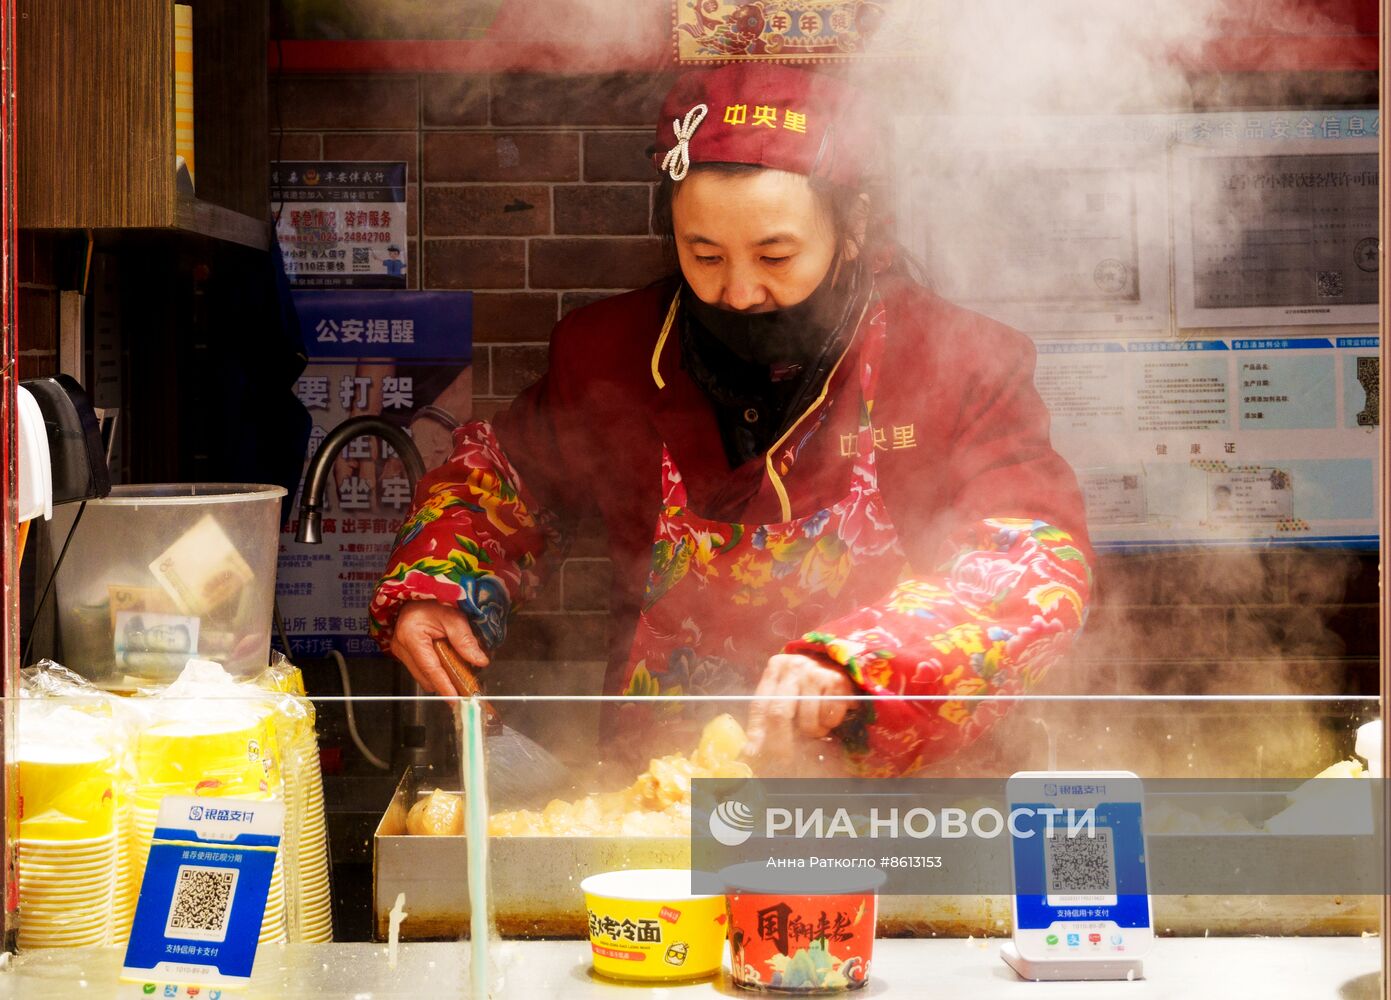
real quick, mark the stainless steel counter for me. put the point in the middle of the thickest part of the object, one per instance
(1178, 968)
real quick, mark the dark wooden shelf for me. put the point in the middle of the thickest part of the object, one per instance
(96, 118)
(203, 218)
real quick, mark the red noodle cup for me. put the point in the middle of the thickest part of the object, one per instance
(801, 930)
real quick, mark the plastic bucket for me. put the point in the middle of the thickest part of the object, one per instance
(159, 573)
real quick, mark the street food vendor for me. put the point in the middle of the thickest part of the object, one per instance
(813, 476)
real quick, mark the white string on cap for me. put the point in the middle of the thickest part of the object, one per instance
(678, 158)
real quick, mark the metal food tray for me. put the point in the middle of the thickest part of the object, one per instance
(535, 881)
(536, 888)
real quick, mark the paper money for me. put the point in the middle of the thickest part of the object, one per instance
(124, 598)
(145, 639)
(203, 569)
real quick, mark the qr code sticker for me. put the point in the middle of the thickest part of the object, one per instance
(1330, 284)
(1080, 869)
(360, 257)
(202, 903)
(1369, 377)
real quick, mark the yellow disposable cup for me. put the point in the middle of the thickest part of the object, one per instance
(67, 852)
(287, 681)
(205, 759)
(646, 924)
(65, 794)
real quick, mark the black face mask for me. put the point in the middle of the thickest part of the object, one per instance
(796, 335)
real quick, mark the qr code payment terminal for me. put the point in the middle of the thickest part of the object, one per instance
(1081, 886)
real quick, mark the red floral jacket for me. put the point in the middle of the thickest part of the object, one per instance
(989, 516)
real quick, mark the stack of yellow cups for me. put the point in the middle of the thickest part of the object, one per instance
(127, 889)
(67, 845)
(304, 780)
(306, 833)
(214, 756)
(275, 920)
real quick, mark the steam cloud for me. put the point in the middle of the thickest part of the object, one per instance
(1250, 622)
(1028, 62)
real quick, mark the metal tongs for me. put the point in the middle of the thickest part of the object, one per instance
(520, 770)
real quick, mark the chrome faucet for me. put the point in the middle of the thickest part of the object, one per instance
(311, 501)
(419, 739)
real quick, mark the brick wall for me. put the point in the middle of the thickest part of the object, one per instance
(1234, 622)
(533, 192)
(536, 196)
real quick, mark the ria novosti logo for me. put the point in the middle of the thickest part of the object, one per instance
(731, 823)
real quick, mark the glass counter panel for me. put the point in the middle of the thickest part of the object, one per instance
(578, 786)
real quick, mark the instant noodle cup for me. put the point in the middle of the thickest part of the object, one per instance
(65, 793)
(647, 925)
(801, 931)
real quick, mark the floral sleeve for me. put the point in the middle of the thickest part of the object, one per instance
(1009, 600)
(474, 540)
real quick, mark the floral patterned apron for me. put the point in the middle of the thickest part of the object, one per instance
(721, 598)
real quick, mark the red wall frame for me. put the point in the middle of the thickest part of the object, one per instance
(9, 488)
(559, 36)
(548, 35)
(9, 358)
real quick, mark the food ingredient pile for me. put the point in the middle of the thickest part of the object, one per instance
(657, 804)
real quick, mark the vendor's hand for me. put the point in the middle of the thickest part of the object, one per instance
(775, 721)
(418, 625)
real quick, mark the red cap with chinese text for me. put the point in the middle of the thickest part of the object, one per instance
(767, 115)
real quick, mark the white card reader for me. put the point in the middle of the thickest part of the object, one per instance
(1081, 887)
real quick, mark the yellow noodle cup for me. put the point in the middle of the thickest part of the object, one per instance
(646, 924)
(204, 758)
(65, 793)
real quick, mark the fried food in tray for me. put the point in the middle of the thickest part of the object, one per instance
(657, 804)
(439, 814)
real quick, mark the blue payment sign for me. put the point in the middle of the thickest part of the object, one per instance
(203, 899)
(1081, 882)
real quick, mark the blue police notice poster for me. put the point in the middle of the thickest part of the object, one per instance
(405, 357)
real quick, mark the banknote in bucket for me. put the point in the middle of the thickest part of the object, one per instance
(145, 640)
(203, 569)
